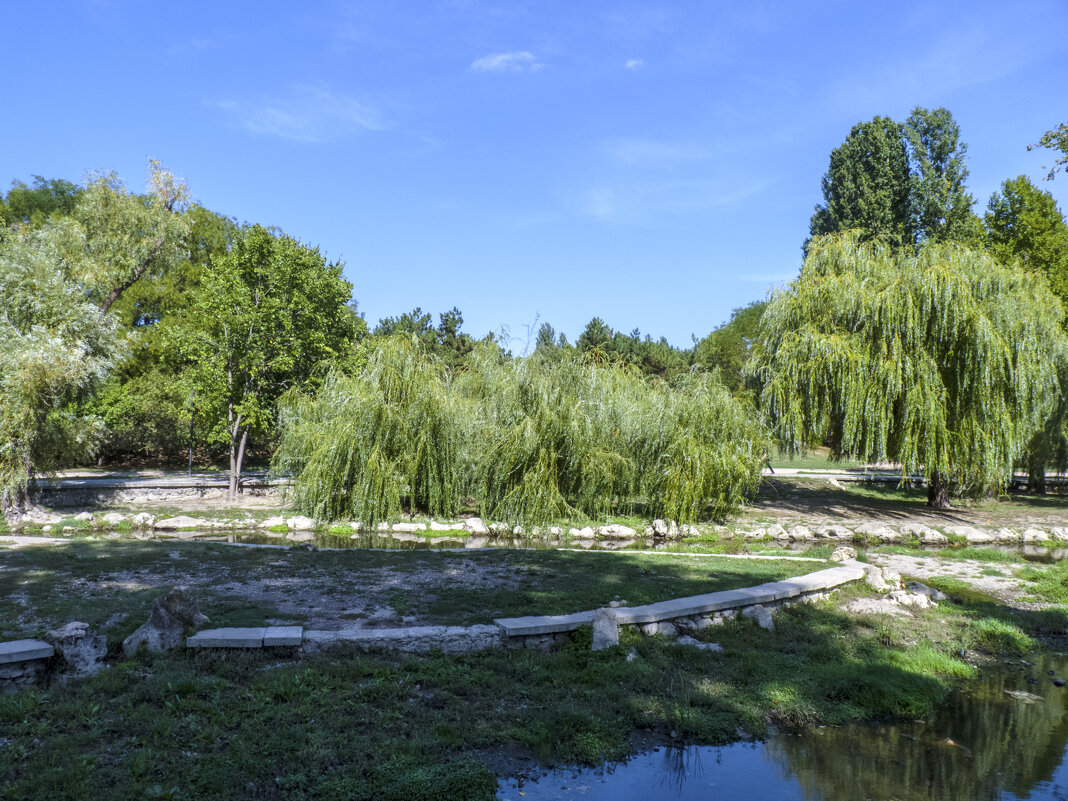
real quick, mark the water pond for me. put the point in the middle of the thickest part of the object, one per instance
(999, 737)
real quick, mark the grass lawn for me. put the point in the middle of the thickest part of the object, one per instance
(790, 500)
(110, 584)
(818, 459)
(260, 725)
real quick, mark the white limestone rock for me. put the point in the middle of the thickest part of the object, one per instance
(878, 531)
(605, 629)
(1035, 534)
(843, 553)
(665, 528)
(760, 614)
(834, 533)
(474, 525)
(616, 531)
(300, 523)
(711, 647)
(83, 651)
(917, 588)
(409, 528)
(180, 522)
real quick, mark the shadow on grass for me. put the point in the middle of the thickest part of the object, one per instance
(347, 725)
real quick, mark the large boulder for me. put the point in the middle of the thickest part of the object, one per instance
(878, 531)
(83, 651)
(616, 531)
(665, 528)
(165, 628)
(834, 533)
(775, 531)
(474, 525)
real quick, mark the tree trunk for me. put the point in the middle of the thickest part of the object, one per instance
(937, 492)
(237, 457)
(238, 435)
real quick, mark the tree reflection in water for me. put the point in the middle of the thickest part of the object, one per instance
(982, 744)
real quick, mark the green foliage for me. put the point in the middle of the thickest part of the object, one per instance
(866, 187)
(727, 348)
(263, 319)
(941, 206)
(365, 442)
(1024, 226)
(602, 344)
(943, 360)
(446, 341)
(572, 438)
(532, 440)
(36, 204)
(57, 343)
(1055, 139)
(998, 637)
(902, 183)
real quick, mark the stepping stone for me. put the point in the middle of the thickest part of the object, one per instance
(282, 635)
(24, 650)
(227, 638)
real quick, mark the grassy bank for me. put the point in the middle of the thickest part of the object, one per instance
(111, 584)
(343, 725)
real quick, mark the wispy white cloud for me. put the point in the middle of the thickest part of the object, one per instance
(639, 202)
(305, 113)
(512, 61)
(652, 151)
(634, 63)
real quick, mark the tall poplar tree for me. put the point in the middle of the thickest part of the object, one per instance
(903, 183)
(866, 187)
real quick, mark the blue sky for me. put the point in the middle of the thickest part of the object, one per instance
(655, 164)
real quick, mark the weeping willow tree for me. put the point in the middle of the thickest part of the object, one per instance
(366, 444)
(942, 361)
(700, 449)
(590, 438)
(528, 440)
(555, 446)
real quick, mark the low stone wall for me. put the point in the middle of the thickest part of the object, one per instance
(544, 632)
(22, 663)
(684, 615)
(65, 496)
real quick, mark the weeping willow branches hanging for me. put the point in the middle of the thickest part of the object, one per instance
(365, 443)
(526, 440)
(942, 361)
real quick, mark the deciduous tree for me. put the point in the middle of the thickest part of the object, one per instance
(943, 360)
(265, 317)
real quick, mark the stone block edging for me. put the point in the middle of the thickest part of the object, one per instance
(771, 592)
(534, 630)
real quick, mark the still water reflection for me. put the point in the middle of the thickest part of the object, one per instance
(998, 738)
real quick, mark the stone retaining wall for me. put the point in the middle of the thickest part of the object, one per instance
(546, 631)
(22, 663)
